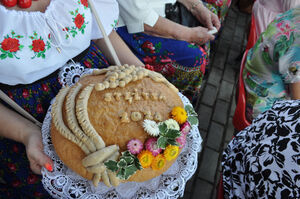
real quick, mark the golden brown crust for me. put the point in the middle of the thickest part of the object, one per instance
(105, 116)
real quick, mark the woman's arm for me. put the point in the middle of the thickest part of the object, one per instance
(14, 126)
(295, 90)
(124, 54)
(169, 29)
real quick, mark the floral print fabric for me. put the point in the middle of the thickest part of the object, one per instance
(35, 98)
(263, 160)
(273, 63)
(182, 63)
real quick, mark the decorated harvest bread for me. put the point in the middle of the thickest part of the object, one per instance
(123, 123)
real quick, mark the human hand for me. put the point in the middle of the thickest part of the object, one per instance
(34, 150)
(199, 35)
(206, 17)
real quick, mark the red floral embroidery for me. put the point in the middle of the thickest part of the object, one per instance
(12, 167)
(148, 47)
(38, 45)
(32, 179)
(80, 24)
(11, 45)
(15, 148)
(10, 95)
(45, 87)
(25, 93)
(39, 109)
(87, 64)
(16, 183)
(84, 3)
(79, 21)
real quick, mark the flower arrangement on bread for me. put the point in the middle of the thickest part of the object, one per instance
(122, 123)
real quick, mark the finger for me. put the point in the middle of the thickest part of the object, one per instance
(35, 168)
(216, 22)
(43, 160)
(209, 24)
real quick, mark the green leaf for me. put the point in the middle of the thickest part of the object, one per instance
(72, 13)
(129, 160)
(162, 142)
(2, 50)
(193, 120)
(172, 133)
(121, 174)
(3, 56)
(122, 163)
(10, 55)
(190, 110)
(39, 54)
(43, 56)
(162, 129)
(111, 165)
(21, 46)
(130, 170)
(172, 142)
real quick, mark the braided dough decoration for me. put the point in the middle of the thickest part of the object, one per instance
(96, 120)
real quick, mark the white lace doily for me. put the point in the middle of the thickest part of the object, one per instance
(64, 183)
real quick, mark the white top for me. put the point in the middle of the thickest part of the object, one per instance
(29, 40)
(135, 13)
(265, 11)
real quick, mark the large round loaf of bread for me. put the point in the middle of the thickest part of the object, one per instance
(105, 117)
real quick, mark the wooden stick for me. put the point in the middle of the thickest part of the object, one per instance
(106, 39)
(20, 110)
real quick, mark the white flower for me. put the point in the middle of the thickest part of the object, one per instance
(151, 127)
(172, 124)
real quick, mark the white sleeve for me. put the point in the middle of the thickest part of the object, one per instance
(108, 12)
(137, 12)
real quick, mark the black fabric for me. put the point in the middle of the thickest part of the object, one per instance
(180, 14)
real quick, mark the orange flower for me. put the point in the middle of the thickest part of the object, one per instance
(145, 158)
(171, 152)
(179, 114)
(159, 162)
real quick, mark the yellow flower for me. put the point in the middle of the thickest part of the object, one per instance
(171, 152)
(179, 114)
(159, 162)
(145, 158)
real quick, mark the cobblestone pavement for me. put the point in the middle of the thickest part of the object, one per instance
(216, 104)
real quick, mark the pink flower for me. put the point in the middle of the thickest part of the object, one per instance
(185, 128)
(151, 145)
(135, 146)
(181, 141)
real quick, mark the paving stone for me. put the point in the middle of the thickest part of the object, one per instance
(215, 77)
(203, 135)
(239, 32)
(220, 60)
(208, 165)
(204, 115)
(223, 47)
(226, 91)
(186, 196)
(229, 130)
(233, 54)
(232, 14)
(202, 190)
(233, 104)
(209, 95)
(220, 112)
(229, 74)
(241, 21)
(189, 185)
(215, 136)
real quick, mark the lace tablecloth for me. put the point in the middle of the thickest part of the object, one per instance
(64, 183)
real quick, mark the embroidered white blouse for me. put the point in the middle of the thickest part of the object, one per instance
(135, 13)
(35, 44)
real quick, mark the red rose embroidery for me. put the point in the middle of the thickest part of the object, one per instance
(32, 179)
(79, 20)
(38, 45)
(16, 183)
(45, 87)
(39, 108)
(12, 167)
(10, 95)
(10, 44)
(84, 3)
(25, 93)
(87, 64)
(147, 46)
(15, 148)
